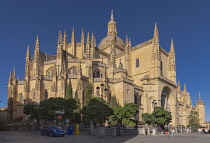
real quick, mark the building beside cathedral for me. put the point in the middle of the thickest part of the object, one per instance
(137, 74)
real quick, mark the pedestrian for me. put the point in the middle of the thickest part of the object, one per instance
(187, 130)
(166, 132)
(206, 130)
(172, 132)
(199, 131)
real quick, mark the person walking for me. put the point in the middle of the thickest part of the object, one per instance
(166, 132)
(172, 132)
(199, 131)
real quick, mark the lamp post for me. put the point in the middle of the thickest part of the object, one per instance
(154, 104)
(101, 95)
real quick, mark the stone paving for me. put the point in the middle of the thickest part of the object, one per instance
(34, 137)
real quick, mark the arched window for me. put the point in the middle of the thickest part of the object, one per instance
(50, 71)
(140, 100)
(46, 95)
(97, 74)
(135, 99)
(137, 62)
(73, 71)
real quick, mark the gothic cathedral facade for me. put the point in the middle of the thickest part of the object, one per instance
(137, 74)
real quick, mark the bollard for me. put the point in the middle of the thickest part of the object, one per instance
(77, 129)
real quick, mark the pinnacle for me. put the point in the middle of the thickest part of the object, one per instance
(112, 16)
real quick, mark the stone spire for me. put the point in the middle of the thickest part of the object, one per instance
(172, 63)
(112, 26)
(199, 96)
(129, 42)
(59, 46)
(126, 42)
(65, 41)
(10, 79)
(82, 37)
(28, 58)
(93, 45)
(93, 40)
(88, 47)
(73, 43)
(112, 16)
(73, 39)
(82, 40)
(14, 74)
(156, 44)
(185, 88)
(37, 50)
(172, 56)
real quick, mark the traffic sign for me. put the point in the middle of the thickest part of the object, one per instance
(59, 112)
(59, 117)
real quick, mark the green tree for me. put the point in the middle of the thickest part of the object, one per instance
(194, 121)
(69, 90)
(126, 114)
(88, 94)
(33, 111)
(96, 111)
(48, 108)
(114, 105)
(159, 116)
(147, 118)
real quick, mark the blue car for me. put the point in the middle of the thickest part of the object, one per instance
(52, 131)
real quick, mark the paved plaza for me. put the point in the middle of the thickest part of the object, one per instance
(34, 137)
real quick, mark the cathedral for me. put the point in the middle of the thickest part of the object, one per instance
(143, 74)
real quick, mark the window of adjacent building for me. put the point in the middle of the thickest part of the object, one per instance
(137, 62)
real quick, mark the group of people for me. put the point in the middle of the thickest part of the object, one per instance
(204, 130)
(172, 132)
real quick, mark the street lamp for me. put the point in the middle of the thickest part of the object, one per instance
(98, 92)
(154, 104)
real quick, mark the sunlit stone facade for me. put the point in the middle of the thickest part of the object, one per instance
(137, 74)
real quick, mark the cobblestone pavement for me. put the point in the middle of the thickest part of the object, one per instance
(34, 137)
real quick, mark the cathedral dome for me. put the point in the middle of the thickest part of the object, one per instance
(107, 40)
(111, 34)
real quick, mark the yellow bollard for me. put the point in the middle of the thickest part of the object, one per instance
(77, 129)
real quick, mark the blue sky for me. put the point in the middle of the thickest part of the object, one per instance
(186, 21)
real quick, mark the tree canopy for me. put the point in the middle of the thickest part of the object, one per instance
(194, 121)
(88, 94)
(69, 90)
(159, 116)
(33, 110)
(96, 111)
(126, 114)
(46, 109)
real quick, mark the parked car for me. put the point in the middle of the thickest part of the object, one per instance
(52, 131)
